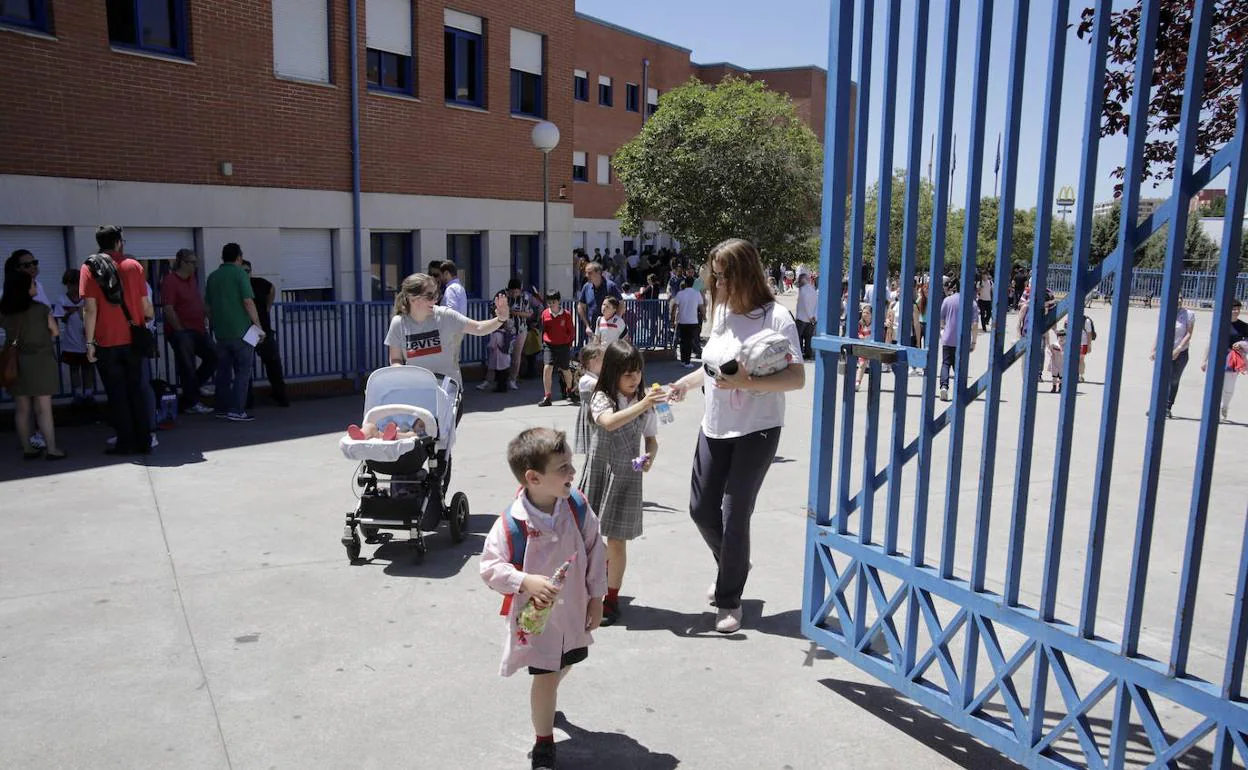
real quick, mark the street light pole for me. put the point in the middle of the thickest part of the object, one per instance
(545, 138)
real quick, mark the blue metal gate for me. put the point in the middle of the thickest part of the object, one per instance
(1024, 679)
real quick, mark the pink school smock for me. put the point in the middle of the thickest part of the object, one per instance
(551, 540)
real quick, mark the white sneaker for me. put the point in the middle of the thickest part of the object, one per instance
(208, 390)
(199, 408)
(1224, 413)
(513, 385)
(37, 441)
(485, 385)
(239, 417)
(944, 394)
(111, 441)
(728, 621)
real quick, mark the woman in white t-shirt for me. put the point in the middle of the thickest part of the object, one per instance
(423, 333)
(741, 424)
(1184, 326)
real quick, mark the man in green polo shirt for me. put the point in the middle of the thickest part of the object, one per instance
(231, 306)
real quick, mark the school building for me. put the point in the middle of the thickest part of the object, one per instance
(193, 124)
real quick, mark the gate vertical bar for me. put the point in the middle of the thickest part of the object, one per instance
(1236, 643)
(1082, 247)
(857, 225)
(970, 243)
(1128, 240)
(831, 259)
(1193, 88)
(962, 398)
(1005, 248)
(909, 240)
(883, 246)
(1214, 383)
(1039, 281)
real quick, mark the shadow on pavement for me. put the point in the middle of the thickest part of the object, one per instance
(443, 559)
(638, 617)
(606, 750)
(920, 724)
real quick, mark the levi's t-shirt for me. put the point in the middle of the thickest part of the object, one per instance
(432, 343)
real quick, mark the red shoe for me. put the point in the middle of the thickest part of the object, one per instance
(390, 432)
(354, 432)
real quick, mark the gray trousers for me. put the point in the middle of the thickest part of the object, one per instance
(727, 475)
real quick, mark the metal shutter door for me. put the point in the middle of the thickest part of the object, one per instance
(46, 243)
(157, 242)
(307, 259)
(301, 39)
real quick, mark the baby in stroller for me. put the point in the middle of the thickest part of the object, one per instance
(407, 435)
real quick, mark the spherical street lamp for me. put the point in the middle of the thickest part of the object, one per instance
(545, 138)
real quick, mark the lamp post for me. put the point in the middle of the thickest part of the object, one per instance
(1065, 200)
(545, 138)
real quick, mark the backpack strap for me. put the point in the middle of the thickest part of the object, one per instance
(518, 536)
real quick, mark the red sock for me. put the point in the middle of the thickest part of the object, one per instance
(548, 394)
(545, 739)
(613, 596)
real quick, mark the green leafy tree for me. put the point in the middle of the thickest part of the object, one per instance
(722, 161)
(1105, 234)
(1214, 208)
(1199, 250)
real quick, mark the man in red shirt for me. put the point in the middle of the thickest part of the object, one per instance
(186, 331)
(557, 335)
(108, 343)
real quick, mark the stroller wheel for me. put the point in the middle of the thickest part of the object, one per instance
(459, 517)
(369, 533)
(352, 544)
(419, 549)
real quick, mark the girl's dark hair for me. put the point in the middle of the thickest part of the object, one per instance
(16, 297)
(69, 277)
(619, 359)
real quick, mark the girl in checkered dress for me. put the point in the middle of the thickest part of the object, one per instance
(622, 415)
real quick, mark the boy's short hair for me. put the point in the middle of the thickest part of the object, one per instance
(532, 450)
(449, 267)
(553, 296)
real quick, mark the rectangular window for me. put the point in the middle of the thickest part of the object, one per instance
(464, 249)
(391, 262)
(652, 101)
(526, 260)
(604, 91)
(526, 74)
(580, 85)
(149, 25)
(307, 295)
(632, 97)
(390, 46)
(465, 59)
(30, 14)
(580, 167)
(604, 169)
(301, 40)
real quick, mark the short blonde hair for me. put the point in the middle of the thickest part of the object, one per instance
(414, 285)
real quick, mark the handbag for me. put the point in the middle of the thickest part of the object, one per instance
(1235, 362)
(8, 364)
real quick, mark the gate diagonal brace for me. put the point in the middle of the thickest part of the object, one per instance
(1077, 707)
(1002, 680)
(940, 638)
(884, 623)
(837, 595)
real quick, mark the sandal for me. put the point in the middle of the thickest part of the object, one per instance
(31, 454)
(51, 456)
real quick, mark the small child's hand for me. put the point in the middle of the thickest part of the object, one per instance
(541, 588)
(645, 467)
(593, 615)
(654, 397)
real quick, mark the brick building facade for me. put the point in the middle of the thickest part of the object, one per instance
(231, 121)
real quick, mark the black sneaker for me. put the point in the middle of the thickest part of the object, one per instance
(544, 402)
(574, 400)
(543, 755)
(610, 614)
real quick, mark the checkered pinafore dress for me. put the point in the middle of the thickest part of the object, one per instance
(609, 482)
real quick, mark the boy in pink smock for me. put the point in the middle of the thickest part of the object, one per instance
(555, 527)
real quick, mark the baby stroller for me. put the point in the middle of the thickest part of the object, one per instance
(413, 498)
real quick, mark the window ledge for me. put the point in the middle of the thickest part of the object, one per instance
(27, 32)
(527, 116)
(466, 107)
(303, 81)
(393, 95)
(142, 54)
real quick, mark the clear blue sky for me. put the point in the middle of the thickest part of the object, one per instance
(795, 32)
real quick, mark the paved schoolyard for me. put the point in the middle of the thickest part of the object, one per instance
(198, 611)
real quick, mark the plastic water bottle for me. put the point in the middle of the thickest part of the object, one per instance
(664, 410)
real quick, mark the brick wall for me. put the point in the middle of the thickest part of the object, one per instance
(76, 108)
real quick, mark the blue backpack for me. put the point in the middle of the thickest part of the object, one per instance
(518, 535)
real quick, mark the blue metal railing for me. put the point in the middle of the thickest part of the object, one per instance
(317, 339)
(1197, 288)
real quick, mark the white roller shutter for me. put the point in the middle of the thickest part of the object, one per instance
(46, 243)
(157, 242)
(464, 21)
(580, 74)
(604, 169)
(307, 259)
(652, 96)
(578, 158)
(526, 51)
(604, 80)
(301, 39)
(390, 26)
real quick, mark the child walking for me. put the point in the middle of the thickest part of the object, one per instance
(611, 325)
(591, 364)
(622, 414)
(498, 357)
(557, 349)
(864, 333)
(548, 524)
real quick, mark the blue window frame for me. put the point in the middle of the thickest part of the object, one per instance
(604, 95)
(464, 249)
(389, 72)
(30, 14)
(465, 68)
(526, 260)
(631, 97)
(526, 94)
(148, 25)
(580, 88)
(390, 262)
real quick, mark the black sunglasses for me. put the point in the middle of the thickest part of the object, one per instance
(728, 368)
(31, 263)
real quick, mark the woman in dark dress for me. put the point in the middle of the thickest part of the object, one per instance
(30, 327)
